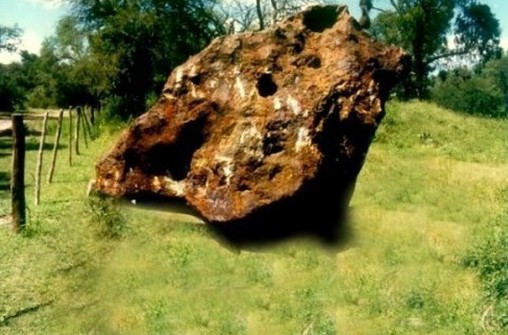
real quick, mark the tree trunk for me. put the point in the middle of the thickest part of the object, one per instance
(92, 116)
(260, 15)
(419, 66)
(275, 11)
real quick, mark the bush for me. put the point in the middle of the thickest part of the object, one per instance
(41, 97)
(11, 95)
(106, 219)
(490, 259)
(464, 91)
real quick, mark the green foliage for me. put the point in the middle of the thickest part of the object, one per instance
(465, 91)
(490, 258)
(16, 80)
(119, 51)
(422, 27)
(11, 95)
(497, 71)
(9, 37)
(106, 218)
(141, 41)
(477, 31)
(65, 74)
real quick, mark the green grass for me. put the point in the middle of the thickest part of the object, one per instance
(431, 187)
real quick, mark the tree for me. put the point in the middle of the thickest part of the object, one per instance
(9, 37)
(141, 41)
(497, 70)
(68, 72)
(477, 32)
(11, 95)
(16, 79)
(46, 72)
(482, 90)
(424, 28)
(241, 15)
(467, 91)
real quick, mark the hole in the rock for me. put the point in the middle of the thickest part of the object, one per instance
(320, 18)
(265, 85)
(196, 80)
(314, 62)
(274, 171)
(243, 186)
(175, 159)
(353, 38)
(272, 144)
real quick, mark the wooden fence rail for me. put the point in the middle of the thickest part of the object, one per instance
(81, 127)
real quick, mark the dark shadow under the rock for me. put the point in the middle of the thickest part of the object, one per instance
(305, 215)
(285, 221)
(317, 210)
(288, 219)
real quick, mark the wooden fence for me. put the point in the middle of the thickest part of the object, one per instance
(82, 127)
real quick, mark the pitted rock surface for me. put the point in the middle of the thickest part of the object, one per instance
(262, 124)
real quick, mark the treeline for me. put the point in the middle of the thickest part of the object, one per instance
(457, 60)
(116, 55)
(481, 90)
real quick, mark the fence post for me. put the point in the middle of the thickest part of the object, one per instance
(87, 124)
(18, 174)
(55, 146)
(85, 129)
(92, 116)
(70, 136)
(78, 122)
(38, 168)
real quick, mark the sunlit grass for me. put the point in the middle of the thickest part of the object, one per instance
(431, 184)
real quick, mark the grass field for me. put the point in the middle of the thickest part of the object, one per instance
(432, 187)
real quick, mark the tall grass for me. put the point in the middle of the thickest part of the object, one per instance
(429, 191)
(489, 257)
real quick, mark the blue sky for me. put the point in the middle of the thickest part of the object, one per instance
(38, 19)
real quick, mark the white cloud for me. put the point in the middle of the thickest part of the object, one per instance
(30, 42)
(504, 43)
(47, 4)
(8, 57)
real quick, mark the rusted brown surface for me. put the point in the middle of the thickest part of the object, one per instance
(262, 124)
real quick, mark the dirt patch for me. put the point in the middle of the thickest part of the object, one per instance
(5, 220)
(5, 127)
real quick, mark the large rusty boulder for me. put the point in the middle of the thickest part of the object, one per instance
(262, 124)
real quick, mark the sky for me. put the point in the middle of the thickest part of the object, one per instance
(38, 20)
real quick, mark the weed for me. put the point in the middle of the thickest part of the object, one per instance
(490, 259)
(106, 218)
(415, 300)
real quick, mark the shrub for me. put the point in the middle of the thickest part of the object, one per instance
(106, 219)
(11, 95)
(465, 91)
(490, 259)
